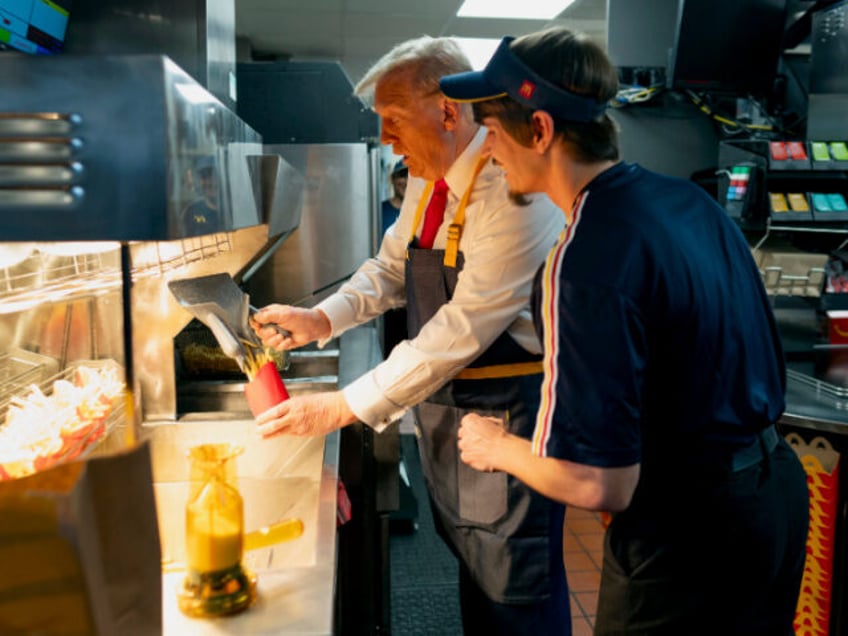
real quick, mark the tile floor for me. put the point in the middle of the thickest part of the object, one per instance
(583, 547)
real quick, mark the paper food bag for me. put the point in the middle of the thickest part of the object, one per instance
(79, 548)
(821, 463)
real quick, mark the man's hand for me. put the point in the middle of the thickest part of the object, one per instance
(480, 442)
(303, 325)
(485, 445)
(314, 414)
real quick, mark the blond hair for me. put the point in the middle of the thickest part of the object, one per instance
(422, 60)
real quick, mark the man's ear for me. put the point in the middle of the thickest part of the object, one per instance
(450, 113)
(543, 130)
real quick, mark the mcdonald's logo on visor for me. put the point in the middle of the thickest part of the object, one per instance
(527, 89)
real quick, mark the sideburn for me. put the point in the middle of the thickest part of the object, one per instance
(519, 199)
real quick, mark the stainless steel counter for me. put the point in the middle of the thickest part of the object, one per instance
(811, 401)
(815, 405)
(296, 579)
(279, 478)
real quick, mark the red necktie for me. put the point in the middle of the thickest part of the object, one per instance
(434, 214)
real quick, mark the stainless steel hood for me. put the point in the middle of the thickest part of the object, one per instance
(104, 148)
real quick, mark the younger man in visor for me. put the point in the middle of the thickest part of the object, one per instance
(664, 373)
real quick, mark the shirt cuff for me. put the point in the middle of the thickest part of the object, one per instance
(340, 314)
(369, 405)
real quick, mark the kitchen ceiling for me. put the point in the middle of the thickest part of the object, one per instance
(357, 32)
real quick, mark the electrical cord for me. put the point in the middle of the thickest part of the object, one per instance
(729, 126)
(635, 94)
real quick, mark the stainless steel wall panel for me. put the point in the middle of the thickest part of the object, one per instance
(334, 235)
(217, 49)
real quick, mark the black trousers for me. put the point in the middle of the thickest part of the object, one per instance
(723, 555)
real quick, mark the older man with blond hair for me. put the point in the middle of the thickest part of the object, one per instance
(461, 258)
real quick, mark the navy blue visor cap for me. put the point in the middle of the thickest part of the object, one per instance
(506, 75)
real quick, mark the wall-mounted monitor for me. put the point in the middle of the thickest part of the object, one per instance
(34, 26)
(730, 46)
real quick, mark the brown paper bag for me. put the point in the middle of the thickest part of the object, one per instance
(79, 549)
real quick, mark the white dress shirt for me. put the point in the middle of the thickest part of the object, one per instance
(503, 245)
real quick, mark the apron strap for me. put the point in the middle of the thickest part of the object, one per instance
(500, 371)
(455, 228)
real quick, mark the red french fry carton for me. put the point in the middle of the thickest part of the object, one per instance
(837, 327)
(265, 390)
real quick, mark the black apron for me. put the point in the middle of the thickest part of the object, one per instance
(496, 525)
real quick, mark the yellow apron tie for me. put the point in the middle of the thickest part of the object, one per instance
(500, 371)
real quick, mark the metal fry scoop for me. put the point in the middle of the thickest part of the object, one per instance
(222, 306)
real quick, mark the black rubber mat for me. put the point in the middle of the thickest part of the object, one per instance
(424, 593)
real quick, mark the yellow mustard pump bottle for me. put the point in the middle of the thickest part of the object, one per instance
(216, 583)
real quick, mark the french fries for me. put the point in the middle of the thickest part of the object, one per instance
(256, 357)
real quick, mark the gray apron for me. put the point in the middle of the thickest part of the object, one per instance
(496, 525)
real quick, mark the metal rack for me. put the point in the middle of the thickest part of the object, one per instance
(779, 283)
(153, 259)
(789, 273)
(66, 271)
(82, 440)
(53, 276)
(18, 370)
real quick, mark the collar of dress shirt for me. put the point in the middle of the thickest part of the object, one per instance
(459, 175)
